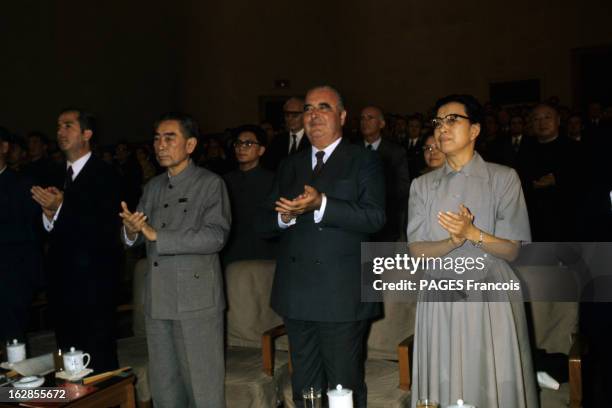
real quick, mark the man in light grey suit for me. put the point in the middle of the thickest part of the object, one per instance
(184, 219)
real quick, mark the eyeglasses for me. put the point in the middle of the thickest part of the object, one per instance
(430, 148)
(245, 143)
(448, 120)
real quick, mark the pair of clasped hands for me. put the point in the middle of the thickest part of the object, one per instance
(135, 222)
(49, 199)
(309, 200)
(459, 225)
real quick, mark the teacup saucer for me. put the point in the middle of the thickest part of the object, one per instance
(73, 377)
(6, 365)
(29, 382)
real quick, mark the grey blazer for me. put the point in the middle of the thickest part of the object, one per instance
(191, 214)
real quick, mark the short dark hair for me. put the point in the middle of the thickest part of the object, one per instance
(87, 121)
(259, 133)
(473, 108)
(189, 127)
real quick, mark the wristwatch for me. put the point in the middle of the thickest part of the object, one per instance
(478, 244)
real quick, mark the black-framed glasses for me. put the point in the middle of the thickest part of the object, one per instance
(449, 120)
(245, 143)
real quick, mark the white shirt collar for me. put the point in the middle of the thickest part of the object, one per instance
(374, 145)
(298, 138)
(328, 152)
(4, 168)
(78, 165)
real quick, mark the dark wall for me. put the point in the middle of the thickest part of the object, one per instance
(129, 61)
(116, 59)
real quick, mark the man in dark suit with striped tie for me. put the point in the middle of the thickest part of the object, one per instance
(325, 201)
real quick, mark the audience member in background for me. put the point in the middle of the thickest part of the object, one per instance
(20, 251)
(503, 119)
(400, 130)
(107, 154)
(593, 119)
(397, 176)
(485, 145)
(39, 167)
(143, 156)
(574, 128)
(270, 133)
(248, 186)
(84, 246)
(509, 148)
(18, 154)
(56, 155)
(130, 172)
(292, 140)
(414, 146)
(432, 155)
(213, 157)
(547, 177)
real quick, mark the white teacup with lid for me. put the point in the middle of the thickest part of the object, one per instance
(461, 404)
(15, 352)
(74, 361)
(340, 397)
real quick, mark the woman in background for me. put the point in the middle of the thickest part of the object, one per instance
(432, 155)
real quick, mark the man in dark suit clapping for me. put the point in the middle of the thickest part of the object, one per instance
(84, 248)
(325, 201)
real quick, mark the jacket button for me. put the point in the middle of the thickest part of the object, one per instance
(196, 276)
(155, 264)
(320, 229)
(163, 225)
(169, 185)
(165, 205)
(292, 259)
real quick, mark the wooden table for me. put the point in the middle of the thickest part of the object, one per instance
(112, 392)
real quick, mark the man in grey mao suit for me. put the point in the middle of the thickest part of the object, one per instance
(184, 219)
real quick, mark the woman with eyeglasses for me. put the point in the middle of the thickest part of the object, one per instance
(432, 155)
(470, 341)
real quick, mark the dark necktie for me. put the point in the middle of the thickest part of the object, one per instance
(319, 165)
(293, 148)
(369, 147)
(68, 179)
(516, 143)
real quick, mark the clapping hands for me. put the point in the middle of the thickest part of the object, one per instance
(136, 222)
(459, 225)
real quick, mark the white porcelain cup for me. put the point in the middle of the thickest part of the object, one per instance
(15, 352)
(74, 361)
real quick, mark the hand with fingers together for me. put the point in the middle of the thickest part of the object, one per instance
(309, 200)
(132, 221)
(459, 225)
(49, 199)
